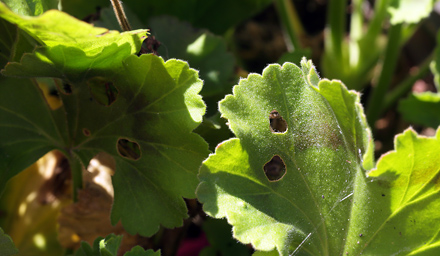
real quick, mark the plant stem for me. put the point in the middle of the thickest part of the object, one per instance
(291, 22)
(335, 28)
(406, 85)
(76, 170)
(120, 15)
(375, 104)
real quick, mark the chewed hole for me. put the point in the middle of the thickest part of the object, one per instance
(275, 169)
(86, 132)
(129, 149)
(103, 90)
(277, 123)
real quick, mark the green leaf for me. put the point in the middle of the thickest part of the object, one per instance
(7, 247)
(405, 199)
(139, 251)
(421, 108)
(107, 246)
(146, 126)
(410, 11)
(326, 143)
(31, 7)
(55, 28)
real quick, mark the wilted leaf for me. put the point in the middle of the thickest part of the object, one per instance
(326, 143)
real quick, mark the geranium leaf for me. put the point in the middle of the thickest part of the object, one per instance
(146, 125)
(404, 198)
(288, 187)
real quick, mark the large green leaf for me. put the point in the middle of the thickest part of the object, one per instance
(156, 107)
(323, 149)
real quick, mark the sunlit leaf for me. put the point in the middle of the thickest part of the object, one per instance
(323, 150)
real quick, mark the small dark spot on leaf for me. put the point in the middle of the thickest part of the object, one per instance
(103, 90)
(323, 196)
(129, 149)
(400, 233)
(360, 235)
(275, 168)
(277, 123)
(383, 194)
(86, 132)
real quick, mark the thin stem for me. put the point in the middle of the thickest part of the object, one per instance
(120, 15)
(76, 170)
(335, 27)
(406, 85)
(291, 22)
(375, 104)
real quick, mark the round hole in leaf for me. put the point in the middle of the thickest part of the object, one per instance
(86, 132)
(103, 90)
(277, 122)
(129, 149)
(275, 169)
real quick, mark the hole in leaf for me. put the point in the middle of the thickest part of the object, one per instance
(129, 149)
(277, 123)
(86, 132)
(275, 168)
(103, 90)
(64, 87)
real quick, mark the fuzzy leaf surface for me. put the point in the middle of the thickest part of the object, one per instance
(326, 143)
(156, 107)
